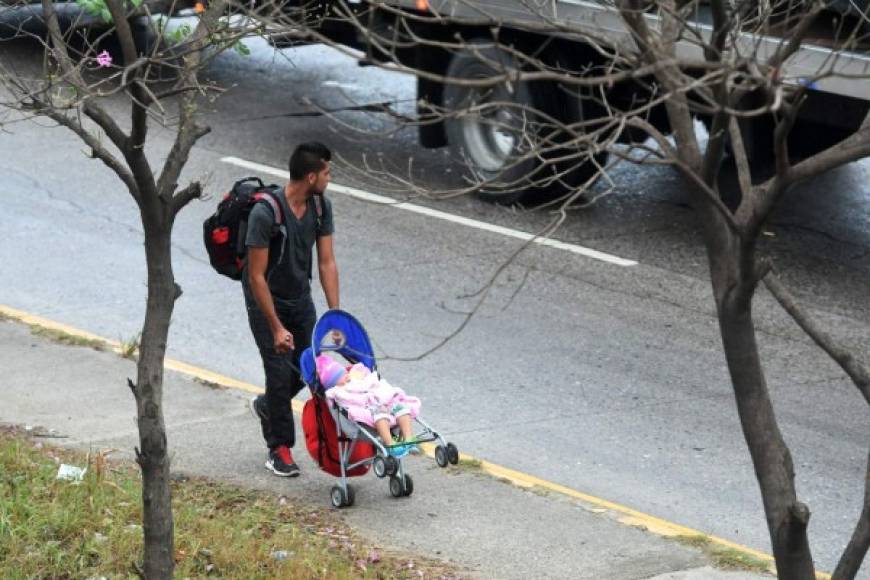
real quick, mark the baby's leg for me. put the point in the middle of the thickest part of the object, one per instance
(404, 422)
(383, 428)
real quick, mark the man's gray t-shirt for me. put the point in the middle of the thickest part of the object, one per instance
(288, 278)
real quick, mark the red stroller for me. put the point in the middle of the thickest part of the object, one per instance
(343, 447)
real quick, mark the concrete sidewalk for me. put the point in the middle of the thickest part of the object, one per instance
(493, 529)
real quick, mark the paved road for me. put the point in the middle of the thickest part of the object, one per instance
(603, 378)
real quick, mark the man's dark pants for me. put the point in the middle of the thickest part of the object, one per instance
(283, 380)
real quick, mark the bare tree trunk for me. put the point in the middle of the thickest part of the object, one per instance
(787, 518)
(733, 276)
(159, 556)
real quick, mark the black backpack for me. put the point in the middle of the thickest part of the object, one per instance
(224, 232)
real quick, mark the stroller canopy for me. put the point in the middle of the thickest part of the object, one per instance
(337, 331)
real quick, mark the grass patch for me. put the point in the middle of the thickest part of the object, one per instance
(210, 384)
(130, 347)
(731, 559)
(62, 529)
(66, 338)
(540, 491)
(724, 557)
(468, 464)
(697, 541)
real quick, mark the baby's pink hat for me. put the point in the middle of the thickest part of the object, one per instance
(329, 371)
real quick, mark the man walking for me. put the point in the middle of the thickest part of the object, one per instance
(277, 287)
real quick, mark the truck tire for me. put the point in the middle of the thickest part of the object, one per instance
(489, 141)
(497, 143)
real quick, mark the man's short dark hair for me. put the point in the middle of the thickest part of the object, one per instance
(308, 158)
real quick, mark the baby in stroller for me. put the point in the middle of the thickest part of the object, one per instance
(354, 419)
(371, 400)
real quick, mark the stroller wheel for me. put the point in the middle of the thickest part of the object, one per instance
(391, 464)
(379, 466)
(409, 485)
(339, 498)
(351, 496)
(441, 456)
(452, 453)
(396, 487)
(336, 495)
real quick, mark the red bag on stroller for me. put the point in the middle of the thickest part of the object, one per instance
(321, 439)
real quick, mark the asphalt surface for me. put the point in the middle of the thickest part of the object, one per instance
(76, 396)
(605, 379)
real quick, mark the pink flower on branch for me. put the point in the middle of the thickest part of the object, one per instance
(104, 59)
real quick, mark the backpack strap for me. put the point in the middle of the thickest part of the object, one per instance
(272, 199)
(270, 196)
(318, 208)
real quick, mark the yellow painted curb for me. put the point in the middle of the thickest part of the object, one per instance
(172, 364)
(33, 320)
(628, 516)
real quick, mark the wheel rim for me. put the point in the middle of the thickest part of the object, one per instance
(336, 494)
(490, 142)
(380, 467)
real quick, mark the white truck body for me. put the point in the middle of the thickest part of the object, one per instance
(850, 70)
(568, 33)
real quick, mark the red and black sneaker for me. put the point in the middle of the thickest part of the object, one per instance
(281, 462)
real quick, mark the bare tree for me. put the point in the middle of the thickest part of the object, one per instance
(532, 100)
(731, 235)
(79, 89)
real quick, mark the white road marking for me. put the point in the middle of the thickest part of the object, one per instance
(434, 213)
(336, 84)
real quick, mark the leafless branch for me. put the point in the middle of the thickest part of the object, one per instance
(743, 171)
(853, 367)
